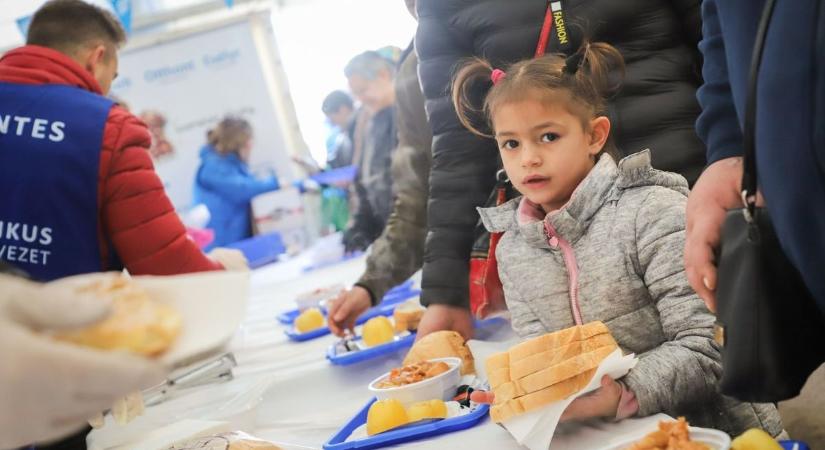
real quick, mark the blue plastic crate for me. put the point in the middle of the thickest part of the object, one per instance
(407, 433)
(261, 250)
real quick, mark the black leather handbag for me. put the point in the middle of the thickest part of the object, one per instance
(771, 331)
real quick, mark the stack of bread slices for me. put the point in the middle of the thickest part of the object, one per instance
(546, 369)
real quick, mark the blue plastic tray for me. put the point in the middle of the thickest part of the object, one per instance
(394, 295)
(309, 335)
(794, 445)
(403, 434)
(387, 306)
(369, 353)
(336, 176)
(385, 349)
(379, 310)
(346, 257)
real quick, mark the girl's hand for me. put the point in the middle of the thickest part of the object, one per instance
(487, 397)
(603, 402)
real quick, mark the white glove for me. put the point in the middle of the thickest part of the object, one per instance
(230, 258)
(50, 389)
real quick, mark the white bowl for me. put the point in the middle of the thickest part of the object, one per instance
(441, 386)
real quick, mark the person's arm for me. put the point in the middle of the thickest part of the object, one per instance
(718, 188)
(717, 125)
(50, 388)
(463, 165)
(137, 216)
(361, 230)
(686, 367)
(398, 253)
(234, 186)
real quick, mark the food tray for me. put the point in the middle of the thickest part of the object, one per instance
(394, 295)
(353, 357)
(419, 430)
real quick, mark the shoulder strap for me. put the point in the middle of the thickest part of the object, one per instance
(749, 175)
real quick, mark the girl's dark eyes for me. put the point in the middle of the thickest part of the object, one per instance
(509, 144)
(549, 137)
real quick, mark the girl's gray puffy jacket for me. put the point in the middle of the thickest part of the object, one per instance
(614, 253)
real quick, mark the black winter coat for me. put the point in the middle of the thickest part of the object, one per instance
(656, 107)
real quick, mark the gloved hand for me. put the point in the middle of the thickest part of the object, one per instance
(230, 258)
(354, 241)
(50, 389)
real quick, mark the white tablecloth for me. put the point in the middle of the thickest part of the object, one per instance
(288, 393)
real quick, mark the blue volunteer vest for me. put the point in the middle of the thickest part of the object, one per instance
(50, 143)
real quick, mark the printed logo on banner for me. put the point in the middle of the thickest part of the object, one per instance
(169, 74)
(123, 9)
(23, 25)
(121, 84)
(222, 59)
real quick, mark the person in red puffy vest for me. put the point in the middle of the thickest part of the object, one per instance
(84, 193)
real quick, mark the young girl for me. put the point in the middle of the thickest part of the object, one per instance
(593, 240)
(224, 182)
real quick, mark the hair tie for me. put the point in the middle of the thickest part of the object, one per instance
(575, 61)
(497, 75)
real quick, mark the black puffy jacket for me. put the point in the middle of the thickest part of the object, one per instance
(656, 107)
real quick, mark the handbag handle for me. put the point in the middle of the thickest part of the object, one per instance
(749, 174)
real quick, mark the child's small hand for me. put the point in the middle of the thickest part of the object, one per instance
(483, 397)
(603, 402)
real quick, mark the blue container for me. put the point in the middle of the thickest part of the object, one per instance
(261, 250)
(404, 434)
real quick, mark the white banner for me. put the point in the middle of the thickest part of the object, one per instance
(195, 80)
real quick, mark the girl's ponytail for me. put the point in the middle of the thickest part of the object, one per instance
(465, 81)
(597, 67)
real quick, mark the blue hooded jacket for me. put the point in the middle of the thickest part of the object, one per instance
(226, 186)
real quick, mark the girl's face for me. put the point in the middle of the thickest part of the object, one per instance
(246, 150)
(545, 150)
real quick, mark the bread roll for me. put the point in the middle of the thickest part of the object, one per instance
(136, 323)
(442, 344)
(408, 315)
